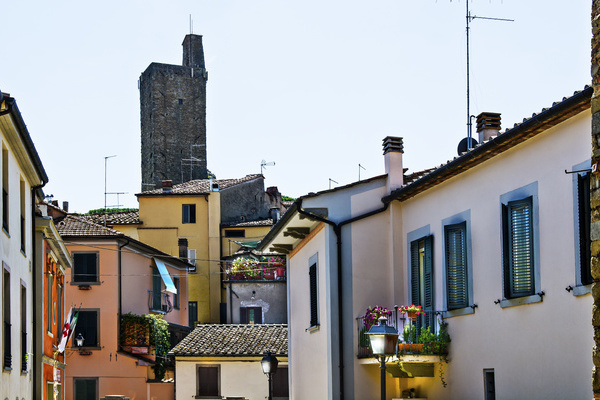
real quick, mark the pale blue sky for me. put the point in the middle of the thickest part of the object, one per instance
(312, 85)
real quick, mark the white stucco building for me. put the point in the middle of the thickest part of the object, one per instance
(494, 242)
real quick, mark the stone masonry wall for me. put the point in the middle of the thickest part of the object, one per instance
(173, 119)
(595, 194)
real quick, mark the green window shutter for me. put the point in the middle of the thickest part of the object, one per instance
(414, 272)
(428, 286)
(456, 266)
(519, 262)
(583, 202)
(314, 311)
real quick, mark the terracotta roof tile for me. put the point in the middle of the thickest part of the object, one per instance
(74, 225)
(234, 340)
(200, 186)
(115, 218)
(262, 222)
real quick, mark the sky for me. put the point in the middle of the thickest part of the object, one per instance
(313, 86)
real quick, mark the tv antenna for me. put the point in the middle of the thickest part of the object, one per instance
(470, 18)
(192, 161)
(105, 192)
(331, 180)
(359, 168)
(191, 25)
(264, 164)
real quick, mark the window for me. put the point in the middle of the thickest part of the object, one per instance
(313, 292)
(207, 383)
(489, 384)
(85, 388)
(250, 315)
(87, 325)
(192, 257)
(188, 214)
(457, 280)
(176, 295)
(50, 390)
(421, 278)
(22, 198)
(183, 247)
(584, 273)
(156, 289)
(85, 268)
(193, 313)
(23, 329)
(235, 233)
(49, 284)
(5, 189)
(281, 387)
(518, 248)
(6, 326)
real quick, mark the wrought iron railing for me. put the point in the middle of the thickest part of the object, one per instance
(400, 321)
(159, 302)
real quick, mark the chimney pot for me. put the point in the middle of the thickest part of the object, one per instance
(66, 206)
(55, 203)
(488, 125)
(393, 148)
(167, 186)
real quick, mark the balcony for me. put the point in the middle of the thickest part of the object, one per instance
(159, 302)
(425, 336)
(252, 269)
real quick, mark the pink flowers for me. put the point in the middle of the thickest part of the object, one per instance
(412, 309)
(373, 314)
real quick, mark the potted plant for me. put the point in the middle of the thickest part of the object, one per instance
(373, 314)
(412, 340)
(243, 268)
(278, 264)
(412, 311)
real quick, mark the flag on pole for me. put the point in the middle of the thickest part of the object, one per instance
(68, 329)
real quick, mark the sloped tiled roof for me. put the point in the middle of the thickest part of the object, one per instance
(116, 218)
(234, 340)
(200, 186)
(74, 225)
(261, 222)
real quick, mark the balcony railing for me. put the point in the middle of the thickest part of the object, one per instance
(23, 351)
(435, 338)
(7, 362)
(159, 302)
(278, 274)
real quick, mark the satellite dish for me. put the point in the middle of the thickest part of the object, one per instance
(463, 145)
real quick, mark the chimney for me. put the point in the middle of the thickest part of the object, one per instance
(65, 206)
(167, 186)
(193, 53)
(275, 214)
(488, 125)
(55, 203)
(272, 190)
(393, 148)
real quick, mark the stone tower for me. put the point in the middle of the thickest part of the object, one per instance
(173, 118)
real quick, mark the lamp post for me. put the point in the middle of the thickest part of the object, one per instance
(384, 342)
(269, 366)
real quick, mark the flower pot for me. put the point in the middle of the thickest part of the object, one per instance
(412, 315)
(280, 273)
(269, 274)
(410, 347)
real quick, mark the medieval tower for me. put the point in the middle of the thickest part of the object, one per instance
(173, 118)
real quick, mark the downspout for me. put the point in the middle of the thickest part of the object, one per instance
(119, 298)
(337, 229)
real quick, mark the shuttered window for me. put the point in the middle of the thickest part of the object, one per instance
(314, 311)
(457, 293)
(583, 203)
(87, 325)
(85, 388)
(85, 268)
(519, 271)
(422, 278)
(208, 382)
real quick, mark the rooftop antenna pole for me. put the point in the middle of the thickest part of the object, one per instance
(105, 193)
(264, 164)
(359, 168)
(470, 18)
(191, 25)
(331, 180)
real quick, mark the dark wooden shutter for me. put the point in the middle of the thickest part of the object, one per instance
(414, 273)
(192, 213)
(208, 381)
(85, 267)
(314, 312)
(428, 286)
(85, 389)
(520, 274)
(583, 200)
(250, 315)
(456, 266)
(156, 289)
(280, 383)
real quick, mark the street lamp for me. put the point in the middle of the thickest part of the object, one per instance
(269, 366)
(384, 342)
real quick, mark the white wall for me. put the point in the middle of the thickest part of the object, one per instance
(540, 350)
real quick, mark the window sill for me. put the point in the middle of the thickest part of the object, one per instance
(83, 283)
(6, 232)
(582, 290)
(23, 252)
(7, 370)
(208, 397)
(519, 301)
(313, 328)
(458, 312)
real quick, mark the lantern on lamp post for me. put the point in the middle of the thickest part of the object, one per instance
(384, 342)
(269, 366)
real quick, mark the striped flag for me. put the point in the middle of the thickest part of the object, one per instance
(68, 329)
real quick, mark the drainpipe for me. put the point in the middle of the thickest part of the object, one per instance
(119, 299)
(337, 229)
